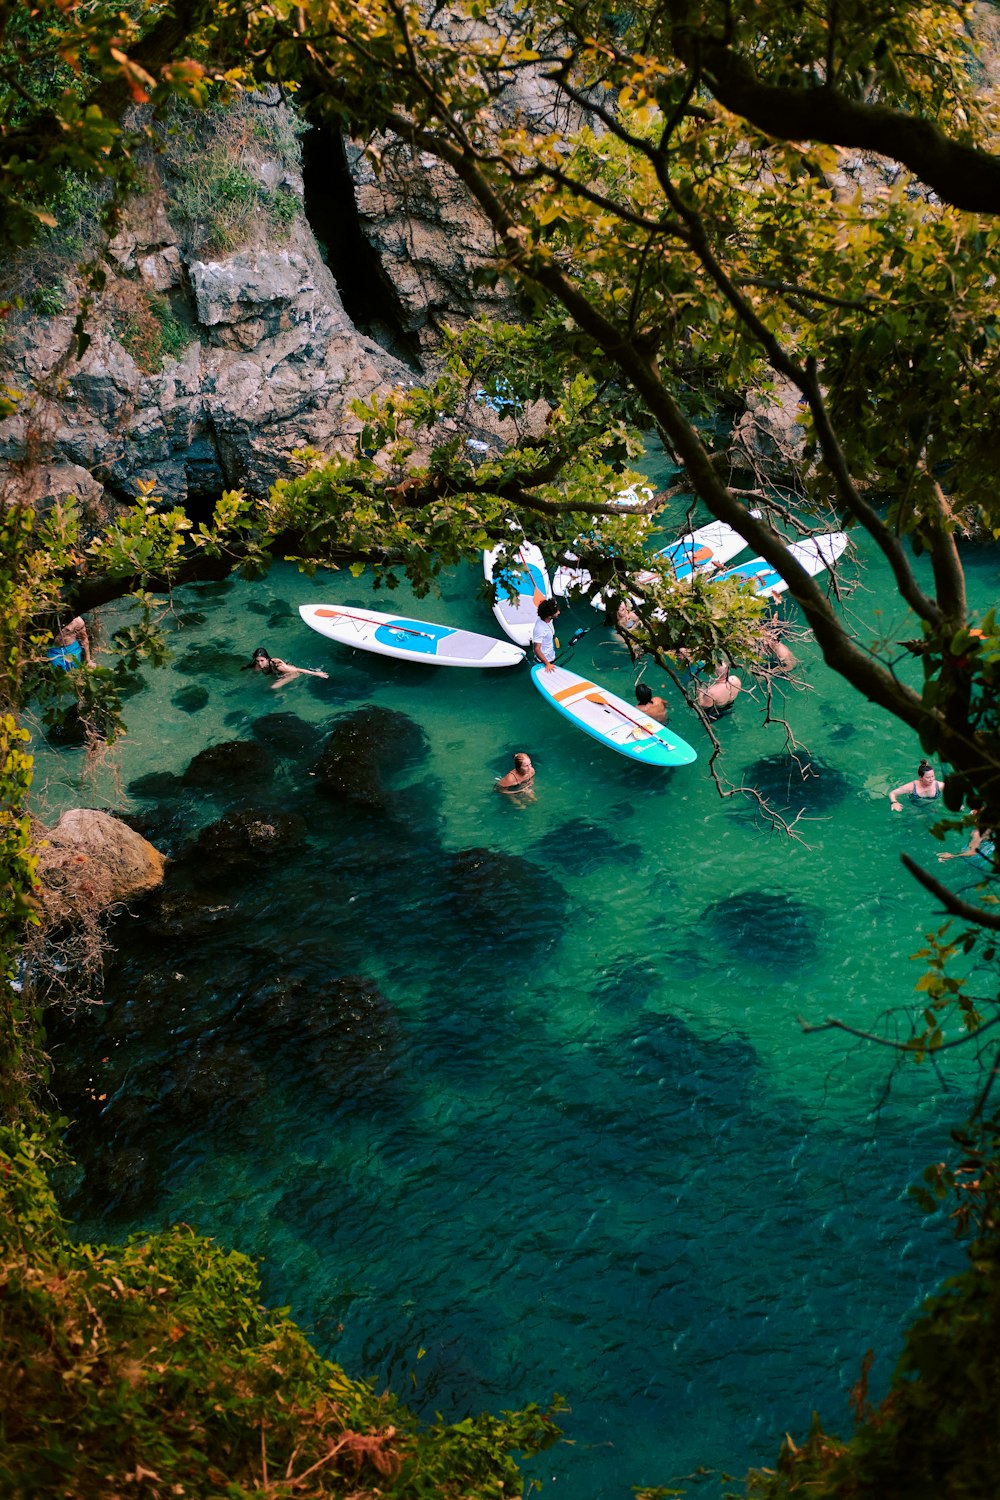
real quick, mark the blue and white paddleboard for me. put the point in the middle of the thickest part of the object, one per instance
(408, 640)
(619, 725)
(521, 583)
(709, 546)
(814, 554)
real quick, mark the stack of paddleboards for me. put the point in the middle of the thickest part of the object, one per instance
(814, 554)
(709, 546)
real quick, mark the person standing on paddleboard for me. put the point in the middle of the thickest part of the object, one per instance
(543, 637)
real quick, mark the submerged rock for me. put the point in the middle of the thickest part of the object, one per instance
(249, 833)
(186, 914)
(764, 927)
(582, 847)
(213, 1079)
(214, 660)
(231, 764)
(191, 699)
(627, 982)
(157, 784)
(496, 894)
(791, 784)
(363, 745)
(286, 734)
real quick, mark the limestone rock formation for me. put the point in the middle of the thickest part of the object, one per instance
(91, 862)
(218, 345)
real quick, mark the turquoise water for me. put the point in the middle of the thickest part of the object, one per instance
(563, 1132)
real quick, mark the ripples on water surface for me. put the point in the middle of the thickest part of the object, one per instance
(561, 1129)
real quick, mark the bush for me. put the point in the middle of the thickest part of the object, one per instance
(152, 1366)
(213, 161)
(145, 324)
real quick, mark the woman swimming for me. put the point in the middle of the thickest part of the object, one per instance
(925, 788)
(281, 671)
(520, 778)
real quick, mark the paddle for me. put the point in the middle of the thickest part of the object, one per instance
(345, 614)
(536, 594)
(599, 698)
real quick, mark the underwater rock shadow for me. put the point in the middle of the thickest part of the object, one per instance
(581, 847)
(288, 735)
(791, 785)
(364, 748)
(628, 982)
(340, 1039)
(209, 659)
(768, 928)
(191, 699)
(232, 764)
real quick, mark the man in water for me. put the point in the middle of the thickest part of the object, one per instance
(720, 694)
(71, 646)
(651, 705)
(543, 637)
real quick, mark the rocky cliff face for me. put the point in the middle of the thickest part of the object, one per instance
(263, 359)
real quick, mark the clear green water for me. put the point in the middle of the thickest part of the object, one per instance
(584, 1146)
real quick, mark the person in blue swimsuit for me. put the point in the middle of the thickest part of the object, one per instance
(926, 787)
(71, 646)
(981, 847)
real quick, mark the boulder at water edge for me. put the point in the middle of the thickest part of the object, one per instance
(90, 862)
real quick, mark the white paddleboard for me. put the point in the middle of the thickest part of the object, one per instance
(408, 639)
(709, 546)
(521, 584)
(815, 554)
(619, 725)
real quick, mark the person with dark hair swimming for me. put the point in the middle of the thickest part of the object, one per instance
(925, 788)
(981, 847)
(281, 671)
(655, 707)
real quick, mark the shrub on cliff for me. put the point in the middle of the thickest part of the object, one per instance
(152, 1368)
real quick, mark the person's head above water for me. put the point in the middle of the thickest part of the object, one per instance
(522, 761)
(643, 693)
(261, 660)
(548, 609)
(924, 770)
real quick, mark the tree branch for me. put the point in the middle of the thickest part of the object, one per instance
(953, 905)
(964, 176)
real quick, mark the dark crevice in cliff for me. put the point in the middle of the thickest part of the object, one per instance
(368, 295)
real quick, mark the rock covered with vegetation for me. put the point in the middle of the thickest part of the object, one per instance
(91, 861)
(217, 337)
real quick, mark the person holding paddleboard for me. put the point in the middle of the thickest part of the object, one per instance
(543, 637)
(281, 671)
